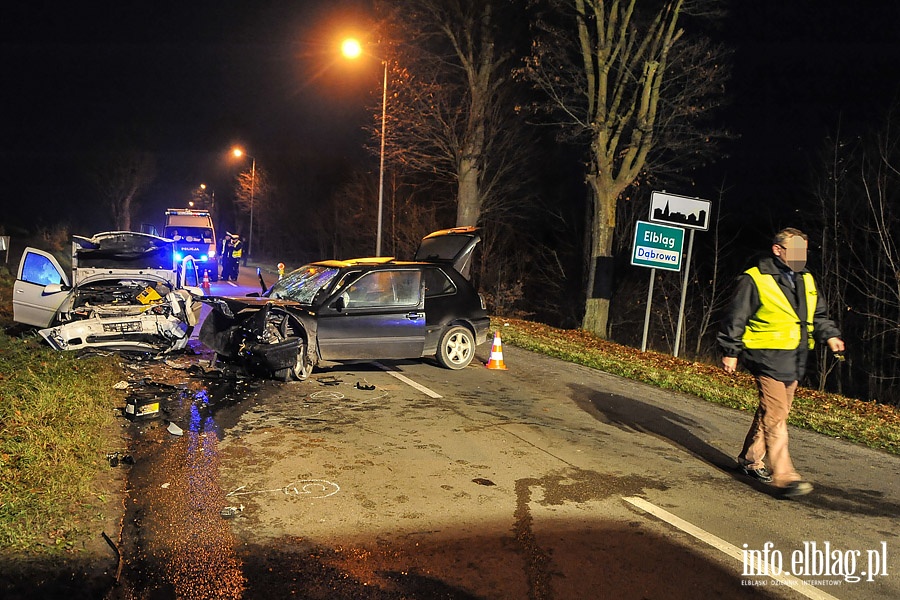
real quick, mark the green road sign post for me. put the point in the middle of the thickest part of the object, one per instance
(657, 246)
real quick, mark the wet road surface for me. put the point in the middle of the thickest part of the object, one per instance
(354, 485)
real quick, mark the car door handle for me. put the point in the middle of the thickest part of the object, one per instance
(413, 316)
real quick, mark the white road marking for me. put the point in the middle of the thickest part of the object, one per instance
(408, 381)
(731, 550)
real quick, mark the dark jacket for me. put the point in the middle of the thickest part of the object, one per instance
(782, 365)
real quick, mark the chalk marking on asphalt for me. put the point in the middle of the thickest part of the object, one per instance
(731, 550)
(321, 395)
(408, 381)
(308, 486)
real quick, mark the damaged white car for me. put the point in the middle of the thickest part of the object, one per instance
(127, 292)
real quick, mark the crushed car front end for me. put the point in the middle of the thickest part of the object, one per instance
(253, 331)
(162, 326)
(127, 293)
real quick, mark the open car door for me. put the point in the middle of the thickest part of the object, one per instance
(40, 289)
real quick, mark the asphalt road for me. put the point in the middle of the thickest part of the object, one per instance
(545, 481)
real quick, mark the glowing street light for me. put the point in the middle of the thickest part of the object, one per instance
(352, 49)
(238, 152)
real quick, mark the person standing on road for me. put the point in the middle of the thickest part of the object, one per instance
(775, 318)
(226, 257)
(237, 251)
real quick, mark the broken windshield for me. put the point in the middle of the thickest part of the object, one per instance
(303, 284)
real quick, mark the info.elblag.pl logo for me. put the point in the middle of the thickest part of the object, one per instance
(829, 565)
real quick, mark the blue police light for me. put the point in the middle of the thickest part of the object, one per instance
(179, 256)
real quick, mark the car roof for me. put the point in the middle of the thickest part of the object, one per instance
(356, 262)
(452, 247)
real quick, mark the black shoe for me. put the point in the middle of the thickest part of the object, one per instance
(761, 474)
(796, 488)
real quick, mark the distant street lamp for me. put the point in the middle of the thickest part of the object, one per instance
(352, 49)
(207, 197)
(238, 152)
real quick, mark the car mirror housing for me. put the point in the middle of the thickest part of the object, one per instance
(340, 303)
(54, 288)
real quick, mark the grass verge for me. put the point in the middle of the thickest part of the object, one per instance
(56, 421)
(868, 423)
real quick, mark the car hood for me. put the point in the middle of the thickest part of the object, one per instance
(450, 246)
(231, 306)
(122, 254)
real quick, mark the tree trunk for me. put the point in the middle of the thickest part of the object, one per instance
(600, 267)
(125, 217)
(468, 195)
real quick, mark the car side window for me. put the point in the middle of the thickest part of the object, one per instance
(38, 269)
(437, 283)
(384, 288)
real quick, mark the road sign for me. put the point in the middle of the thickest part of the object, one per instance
(657, 246)
(680, 211)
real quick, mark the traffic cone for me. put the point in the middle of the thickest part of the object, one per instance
(205, 284)
(496, 361)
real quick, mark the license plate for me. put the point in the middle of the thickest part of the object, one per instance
(131, 327)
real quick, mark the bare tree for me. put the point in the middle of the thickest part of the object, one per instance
(858, 194)
(876, 276)
(832, 192)
(713, 296)
(120, 177)
(631, 87)
(252, 196)
(450, 113)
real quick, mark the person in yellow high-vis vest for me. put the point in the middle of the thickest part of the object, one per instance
(776, 317)
(237, 252)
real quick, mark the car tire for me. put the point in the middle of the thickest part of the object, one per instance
(456, 348)
(301, 370)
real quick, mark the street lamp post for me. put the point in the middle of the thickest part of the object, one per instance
(351, 48)
(381, 166)
(238, 152)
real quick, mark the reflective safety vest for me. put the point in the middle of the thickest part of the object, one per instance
(776, 325)
(238, 250)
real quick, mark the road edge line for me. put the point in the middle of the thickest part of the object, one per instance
(718, 543)
(408, 381)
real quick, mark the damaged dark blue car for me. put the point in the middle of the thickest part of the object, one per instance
(359, 309)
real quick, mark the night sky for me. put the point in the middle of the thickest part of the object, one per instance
(190, 79)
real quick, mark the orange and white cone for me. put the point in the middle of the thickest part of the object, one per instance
(205, 284)
(496, 361)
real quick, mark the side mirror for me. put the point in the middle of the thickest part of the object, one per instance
(340, 303)
(53, 288)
